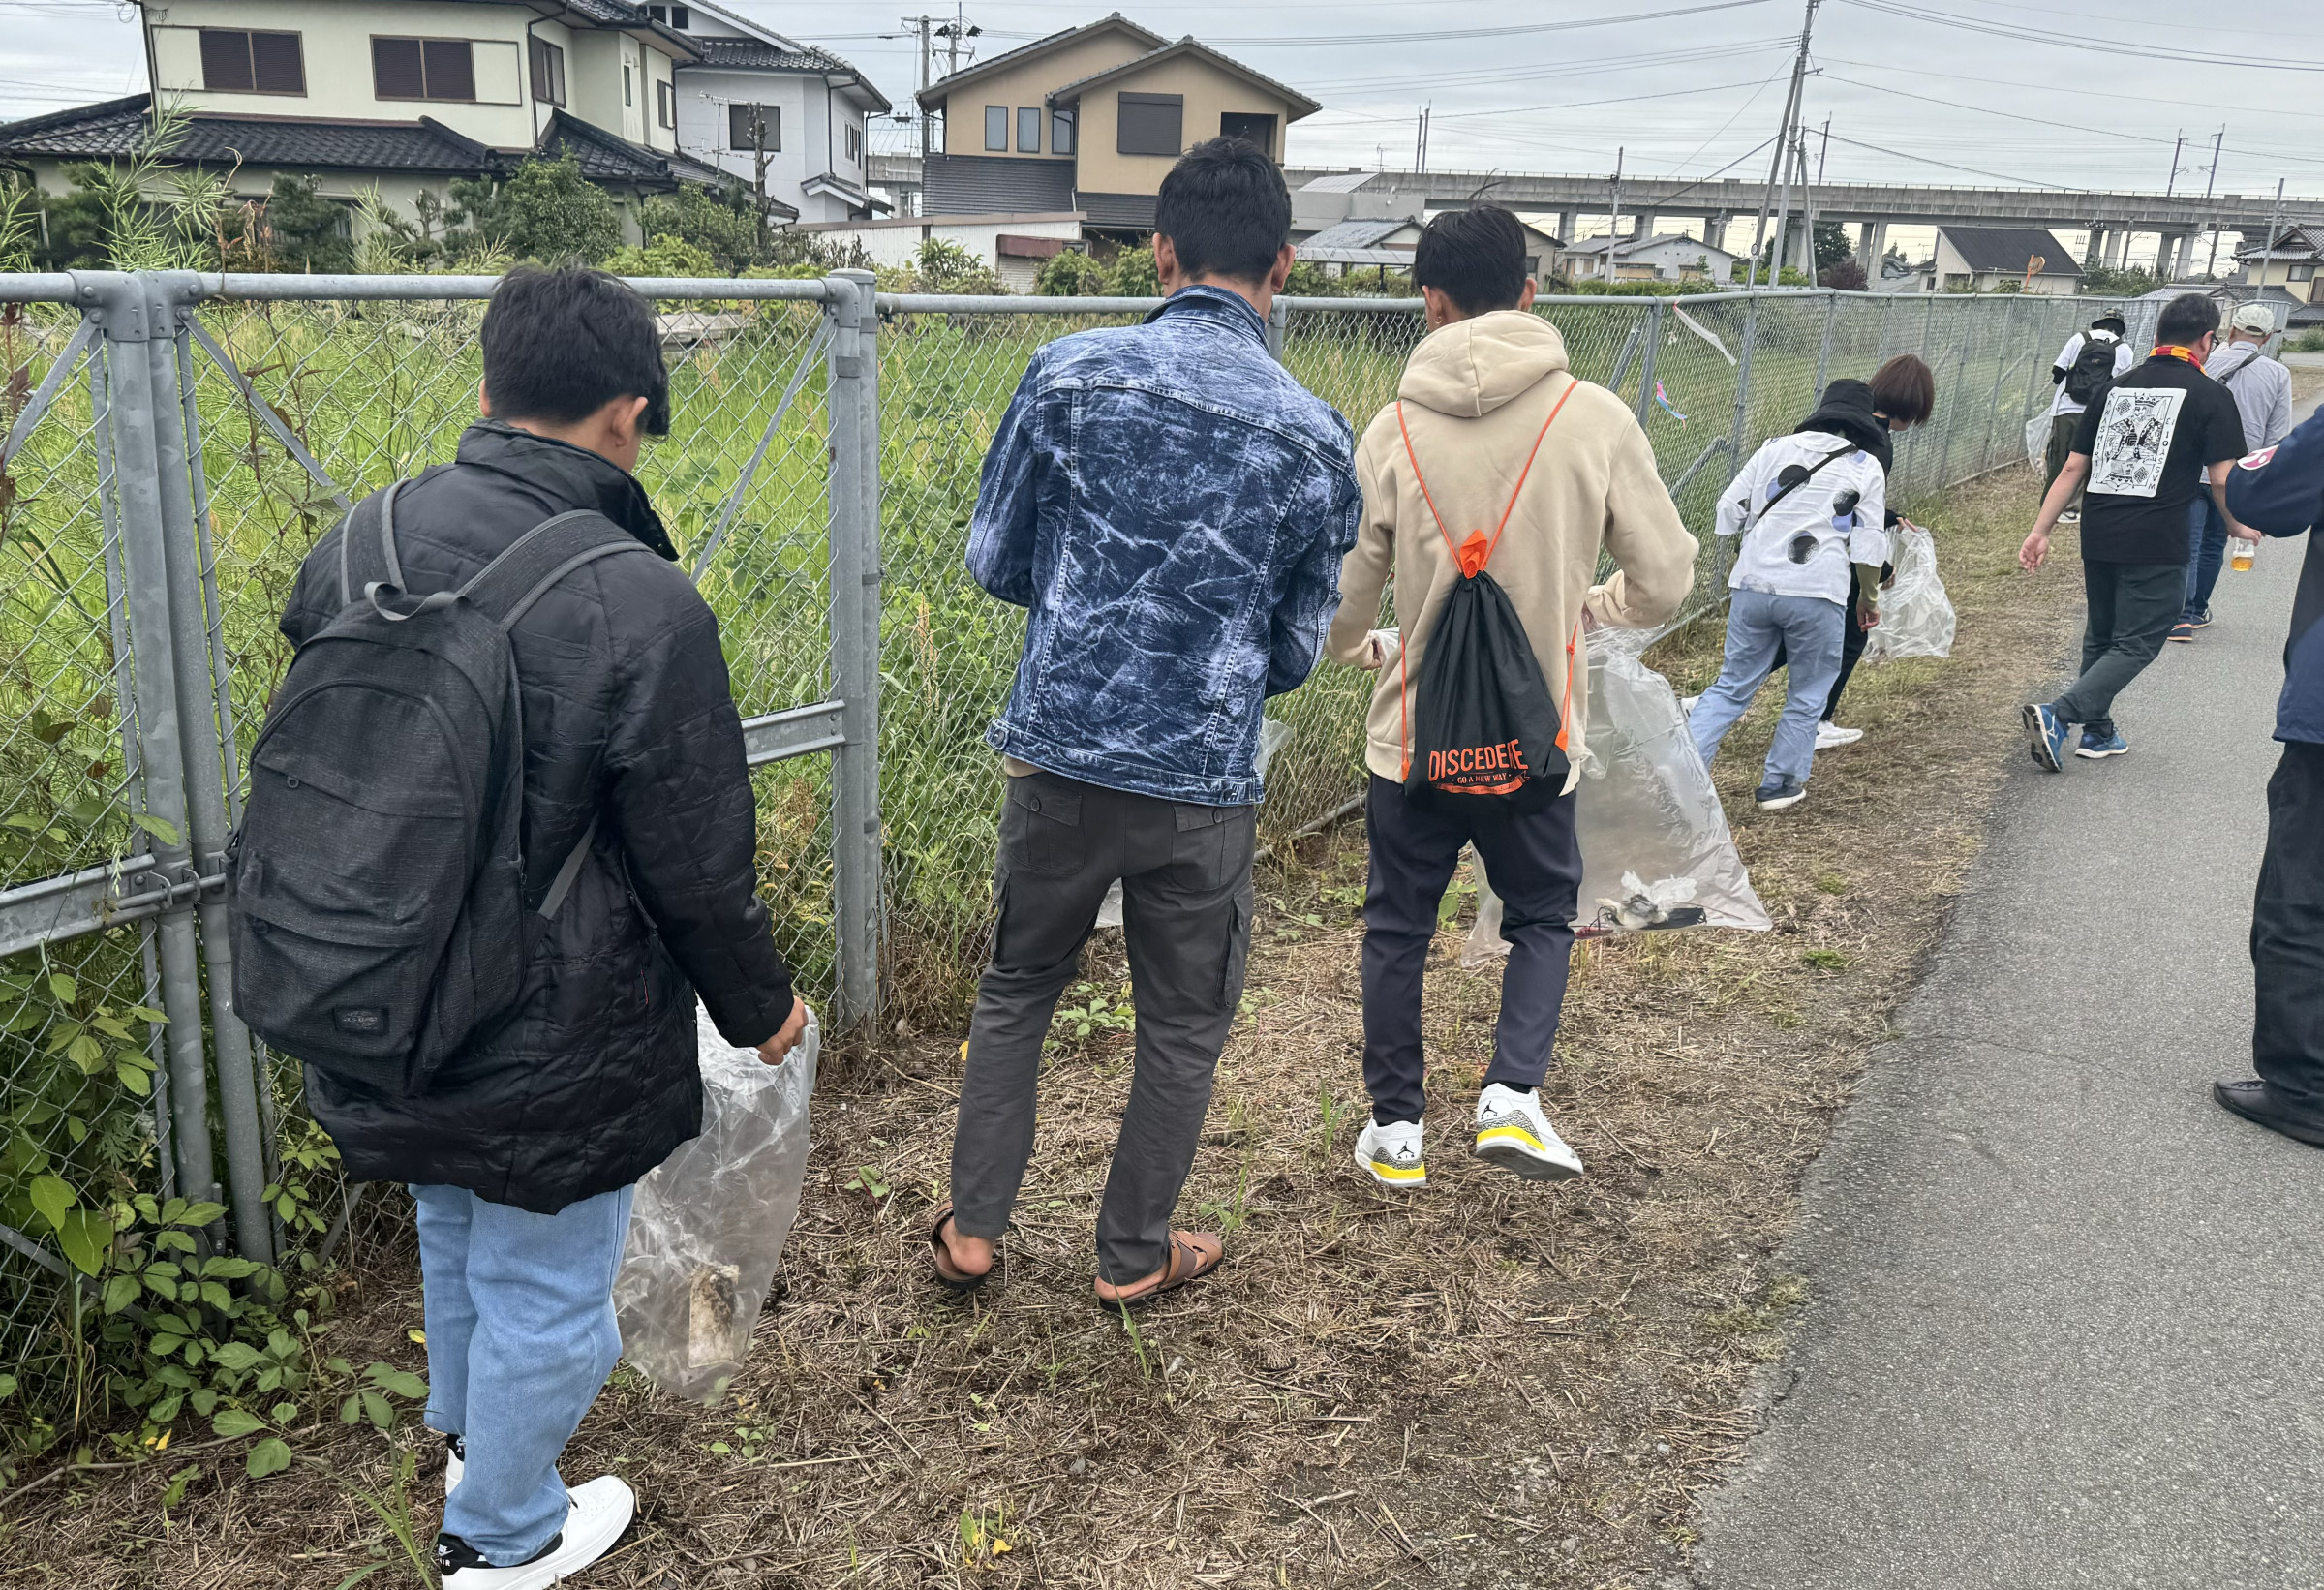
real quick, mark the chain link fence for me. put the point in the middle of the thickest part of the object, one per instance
(175, 444)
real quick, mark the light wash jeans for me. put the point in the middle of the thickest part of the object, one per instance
(521, 1336)
(1809, 630)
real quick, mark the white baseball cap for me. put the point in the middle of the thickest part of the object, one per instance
(2253, 318)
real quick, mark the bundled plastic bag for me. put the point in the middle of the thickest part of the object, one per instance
(1916, 616)
(2037, 441)
(1655, 847)
(709, 1222)
(1273, 736)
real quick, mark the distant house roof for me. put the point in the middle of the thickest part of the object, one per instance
(851, 194)
(614, 13)
(1635, 245)
(1301, 104)
(1357, 234)
(778, 54)
(2290, 243)
(117, 128)
(936, 93)
(1341, 182)
(995, 184)
(2007, 249)
(1397, 259)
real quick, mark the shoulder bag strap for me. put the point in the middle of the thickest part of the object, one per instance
(1813, 471)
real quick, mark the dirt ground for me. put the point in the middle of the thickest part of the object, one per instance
(1484, 1383)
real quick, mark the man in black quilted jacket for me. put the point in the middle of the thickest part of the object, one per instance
(523, 1152)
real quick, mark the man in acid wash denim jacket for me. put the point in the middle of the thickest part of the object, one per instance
(1172, 509)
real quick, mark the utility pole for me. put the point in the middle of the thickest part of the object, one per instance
(1614, 222)
(1807, 193)
(2210, 186)
(2173, 181)
(1783, 144)
(758, 165)
(928, 62)
(2268, 251)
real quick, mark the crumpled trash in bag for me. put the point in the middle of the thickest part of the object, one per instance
(2038, 443)
(708, 1224)
(1655, 847)
(1273, 736)
(1916, 616)
(1656, 852)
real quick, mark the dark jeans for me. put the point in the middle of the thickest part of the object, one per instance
(2132, 607)
(2206, 551)
(1185, 875)
(1535, 864)
(2287, 932)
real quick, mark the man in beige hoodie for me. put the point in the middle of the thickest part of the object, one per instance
(1488, 383)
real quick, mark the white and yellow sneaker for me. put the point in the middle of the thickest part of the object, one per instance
(1512, 1133)
(1390, 1155)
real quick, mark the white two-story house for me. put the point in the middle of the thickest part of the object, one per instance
(749, 92)
(407, 95)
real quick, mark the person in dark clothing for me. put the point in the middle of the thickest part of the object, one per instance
(2159, 436)
(1901, 394)
(2279, 491)
(522, 1152)
(1170, 506)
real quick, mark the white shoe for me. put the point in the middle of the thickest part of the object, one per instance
(601, 1510)
(2071, 516)
(1390, 1155)
(455, 1461)
(1830, 735)
(1512, 1133)
(1686, 704)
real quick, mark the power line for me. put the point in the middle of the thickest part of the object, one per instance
(2147, 99)
(2070, 40)
(1882, 149)
(1300, 40)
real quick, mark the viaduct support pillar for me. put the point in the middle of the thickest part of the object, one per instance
(1872, 243)
(2118, 247)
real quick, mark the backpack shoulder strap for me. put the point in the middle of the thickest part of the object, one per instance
(366, 551)
(508, 586)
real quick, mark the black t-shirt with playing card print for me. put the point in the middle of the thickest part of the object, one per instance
(2150, 441)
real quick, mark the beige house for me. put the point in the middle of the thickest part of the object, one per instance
(403, 95)
(1993, 258)
(1092, 119)
(2289, 263)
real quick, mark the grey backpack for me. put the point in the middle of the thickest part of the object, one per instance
(377, 883)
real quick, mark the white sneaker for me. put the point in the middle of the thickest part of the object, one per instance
(2071, 516)
(1390, 1155)
(601, 1510)
(455, 1461)
(1686, 704)
(1828, 735)
(1512, 1133)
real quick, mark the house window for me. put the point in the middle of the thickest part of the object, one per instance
(423, 69)
(666, 103)
(855, 146)
(677, 16)
(236, 62)
(1029, 129)
(548, 72)
(1956, 281)
(996, 126)
(744, 123)
(1151, 124)
(629, 91)
(2302, 273)
(1255, 129)
(1061, 132)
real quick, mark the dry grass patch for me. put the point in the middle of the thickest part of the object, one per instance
(1485, 1383)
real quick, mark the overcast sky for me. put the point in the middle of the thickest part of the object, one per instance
(1526, 90)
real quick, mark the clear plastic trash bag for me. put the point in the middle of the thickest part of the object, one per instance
(709, 1222)
(1916, 616)
(1655, 847)
(2038, 443)
(1273, 736)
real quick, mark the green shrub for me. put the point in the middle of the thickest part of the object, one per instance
(1072, 274)
(547, 210)
(663, 256)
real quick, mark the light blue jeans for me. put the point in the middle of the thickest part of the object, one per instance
(1809, 630)
(521, 1336)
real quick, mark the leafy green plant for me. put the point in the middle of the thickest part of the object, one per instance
(1096, 1012)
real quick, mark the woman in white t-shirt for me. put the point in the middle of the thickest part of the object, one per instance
(1812, 511)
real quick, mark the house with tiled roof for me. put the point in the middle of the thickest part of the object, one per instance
(2289, 259)
(755, 101)
(405, 96)
(1092, 119)
(1990, 258)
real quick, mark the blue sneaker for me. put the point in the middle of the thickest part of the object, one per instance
(2045, 738)
(2097, 746)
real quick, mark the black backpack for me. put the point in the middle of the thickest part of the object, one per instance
(376, 880)
(1488, 729)
(2092, 370)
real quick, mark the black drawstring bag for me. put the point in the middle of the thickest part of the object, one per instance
(1486, 729)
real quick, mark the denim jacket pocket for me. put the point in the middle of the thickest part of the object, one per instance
(1042, 828)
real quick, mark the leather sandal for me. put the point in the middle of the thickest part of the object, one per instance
(1191, 1256)
(940, 1257)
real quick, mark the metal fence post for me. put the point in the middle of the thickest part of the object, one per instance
(120, 304)
(1278, 317)
(1654, 342)
(166, 295)
(851, 365)
(1823, 351)
(1737, 456)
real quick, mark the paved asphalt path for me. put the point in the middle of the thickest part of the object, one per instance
(2066, 1325)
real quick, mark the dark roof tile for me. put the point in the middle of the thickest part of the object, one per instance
(2008, 248)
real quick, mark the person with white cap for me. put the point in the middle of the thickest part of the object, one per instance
(2262, 389)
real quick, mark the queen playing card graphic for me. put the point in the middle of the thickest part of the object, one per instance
(2134, 438)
